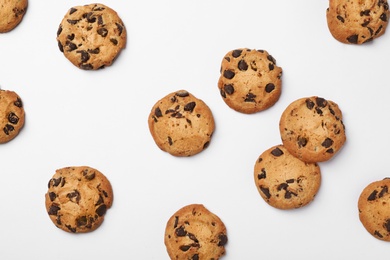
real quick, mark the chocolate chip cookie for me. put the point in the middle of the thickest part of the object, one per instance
(284, 181)
(194, 232)
(374, 210)
(91, 36)
(312, 129)
(250, 80)
(11, 14)
(357, 22)
(181, 124)
(12, 115)
(78, 199)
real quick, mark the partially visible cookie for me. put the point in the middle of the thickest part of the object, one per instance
(195, 233)
(11, 14)
(357, 22)
(78, 199)
(312, 129)
(181, 124)
(12, 115)
(374, 210)
(284, 181)
(91, 36)
(250, 80)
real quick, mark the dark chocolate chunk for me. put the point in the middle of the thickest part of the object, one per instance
(52, 196)
(94, 51)
(228, 74)
(372, 196)
(71, 46)
(271, 59)
(12, 118)
(302, 141)
(387, 225)
(114, 41)
(176, 222)
(277, 152)
(18, 102)
(236, 53)
(120, 28)
(102, 32)
(71, 229)
(53, 210)
(340, 18)
(262, 175)
(222, 240)
(184, 248)
(269, 87)
(378, 234)
(250, 97)
(309, 104)
(72, 10)
(157, 112)
(84, 56)
(330, 150)
(229, 89)
(321, 102)
(8, 128)
(190, 106)
(182, 94)
(383, 17)
(72, 21)
(282, 186)
(327, 143)
(180, 232)
(265, 190)
(195, 257)
(271, 66)
(383, 191)
(87, 66)
(170, 140)
(242, 65)
(59, 30)
(74, 196)
(101, 210)
(81, 221)
(353, 38)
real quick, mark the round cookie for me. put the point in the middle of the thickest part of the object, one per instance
(181, 124)
(284, 181)
(78, 199)
(374, 210)
(250, 81)
(357, 22)
(91, 36)
(312, 129)
(11, 14)
(194, 232)
(12, 115)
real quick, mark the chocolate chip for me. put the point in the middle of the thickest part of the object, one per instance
(340, 18)
(102, 32)
(101, 210)
(290, 181)
(365, 13)
(236, 53)
(282, 186)
(309, 104)
(89, 17)
(242, 65)
(94, 51)
(120, 28)
(190, 106)
(222, 240)
(383, 191)
(302, 141)
(87, 176)
(321, 102)
(72, 10)
(81, 221)
(330, 150)
(71, 229)
(353, 38)
(289, 194)
(269, 87)
(59, 30)
(72, 21)
(277, 152)
(182, 93)
(18, 102)
(379, 30)
(74, 196)
(87, 66)
(184, 248)
(52, 196)
(383, 17)
(12, 118)
(228, 74)
(84, 56)
(271, 59)
(60, 46)
(229, 89)
(265, 190)
(180, 232)
(195, 257)
(387, 225)
(100, 20)
(376, 233)
(206, 144)
(250, 97)
(271, 66)
(114, 41)
(170, 140)
(176, 222)
(262, 175)
(53, 210)
(71, 46)
(100, 201)
(327, 143)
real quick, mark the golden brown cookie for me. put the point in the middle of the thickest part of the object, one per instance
(91, 36)
(195, 233)
(284, 181)
(374, 210)
(250, 80)
(11, 14)
(181, 124)
(357, 21)
(12, 115)
(312, 129)
(78, 199)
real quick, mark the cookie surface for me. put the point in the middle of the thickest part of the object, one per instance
(78, 199)
(195, 233)
(12, 115)
(357, 22)
(312, 129)
(284, 181)
(11, 14)
(181, 124)
(250, 81)
(374, 210)
(91, 36)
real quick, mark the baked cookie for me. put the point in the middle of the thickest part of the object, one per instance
(78, 199)
(181, 124)
(250, 81)
(12, 115)
(357, 22)
(194, 233)
(312, 129)
(284, 181)
(91, 36)
(374, 210)
(11, 14)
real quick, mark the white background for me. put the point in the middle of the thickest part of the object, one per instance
(99, 119)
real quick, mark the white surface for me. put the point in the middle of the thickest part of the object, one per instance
(99, 118)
